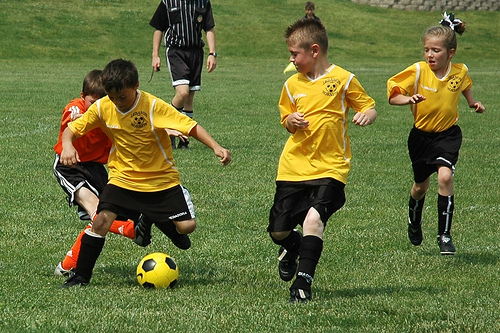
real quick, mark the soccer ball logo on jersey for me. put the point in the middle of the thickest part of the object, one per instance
(454, 83)
(139, 119)
(331, 87)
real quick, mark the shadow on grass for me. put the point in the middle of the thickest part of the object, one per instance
(375, 291)
(478, 258)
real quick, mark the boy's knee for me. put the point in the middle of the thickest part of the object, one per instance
(278, 235)
(186, 227)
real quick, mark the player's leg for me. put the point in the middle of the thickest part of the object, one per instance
(309, 254)
(420, 149)
(181, 95)
(92, 242)
(177, 217)
(415, 208)
(446, 205)
(281, 228)
(325, 198)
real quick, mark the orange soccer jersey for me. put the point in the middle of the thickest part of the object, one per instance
(93, 146)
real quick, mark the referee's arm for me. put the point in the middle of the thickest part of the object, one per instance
(156, 62)
(211, 60)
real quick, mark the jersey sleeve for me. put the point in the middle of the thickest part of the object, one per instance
(159, 21)
(286, 104)
(166, 116)
(209, 22)
(403, 82)
(357, 97)
(87, 122)
(467, 83)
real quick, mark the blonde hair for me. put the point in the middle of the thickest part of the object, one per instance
(305, 33)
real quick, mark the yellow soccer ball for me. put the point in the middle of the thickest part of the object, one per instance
(157, 270)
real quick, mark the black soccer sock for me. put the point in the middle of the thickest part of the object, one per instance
(178, 109)
(291, 242)
(89, 252)
(188, 113)
(309, 254)
(415, 210)
(446, 205)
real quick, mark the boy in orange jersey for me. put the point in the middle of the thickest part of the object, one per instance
(84, 182)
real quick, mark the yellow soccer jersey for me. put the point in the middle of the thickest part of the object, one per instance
(440, 109)
(322, 150)
(141, 158)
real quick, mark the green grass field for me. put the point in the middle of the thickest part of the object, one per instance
(370, 278)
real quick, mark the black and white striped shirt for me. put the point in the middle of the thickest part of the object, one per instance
(182, 21)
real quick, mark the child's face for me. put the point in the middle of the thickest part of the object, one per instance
(436, 54)
(302, 59)
(89, 100)
(123, 99)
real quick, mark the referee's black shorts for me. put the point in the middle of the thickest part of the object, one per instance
(293, 200)
(185, 66)
(428, 150)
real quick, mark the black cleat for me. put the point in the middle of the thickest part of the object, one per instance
(299, 296)
(142, 232)
(446, 245)
(75, 280)
(415, 233)
(183, 144)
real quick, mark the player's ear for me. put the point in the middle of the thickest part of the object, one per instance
(315, 49)
(451, 53)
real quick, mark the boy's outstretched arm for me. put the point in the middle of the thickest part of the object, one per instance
(476, 105)
(400, 99)
(365, 118)
(69, 155)
(200, 134)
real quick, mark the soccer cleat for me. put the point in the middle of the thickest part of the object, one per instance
(183, 144)
(60, 271)
(182, 241)
(415, 233)
(287, 264)
(75, 280)
(446, 244)
(299, 296)
(142, 232)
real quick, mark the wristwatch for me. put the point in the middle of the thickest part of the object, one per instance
(213, 54)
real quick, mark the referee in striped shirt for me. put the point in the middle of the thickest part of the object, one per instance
(180, 23)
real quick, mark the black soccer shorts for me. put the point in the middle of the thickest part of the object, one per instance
(293, 200)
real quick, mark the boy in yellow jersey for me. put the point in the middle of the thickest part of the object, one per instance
(316, 159)
(432, 88)
(143, 180)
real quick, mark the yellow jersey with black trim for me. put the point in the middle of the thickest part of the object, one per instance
(322, 150)
(141, 158)
(439, 111)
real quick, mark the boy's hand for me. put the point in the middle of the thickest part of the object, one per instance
(224, 154)
(417, 98)
(366, 118)
(478, 106)
(69, 156)
(177, 134)
(296, 120)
